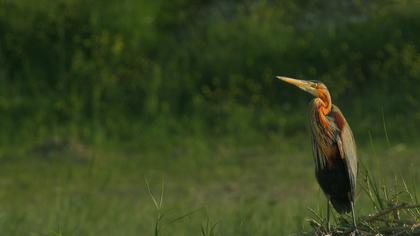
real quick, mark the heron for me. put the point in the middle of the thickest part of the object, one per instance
(333, 148)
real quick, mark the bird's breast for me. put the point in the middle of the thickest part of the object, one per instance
(325, 154)
(324, 143)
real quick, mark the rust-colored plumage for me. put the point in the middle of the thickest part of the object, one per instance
(333, 146)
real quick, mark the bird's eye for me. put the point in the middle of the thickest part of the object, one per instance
(314, 83)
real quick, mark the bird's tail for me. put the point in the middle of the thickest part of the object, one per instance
(341, 205)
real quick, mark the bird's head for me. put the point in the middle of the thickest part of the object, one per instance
(316, 88)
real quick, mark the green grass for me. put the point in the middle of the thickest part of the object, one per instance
(208, 190)
(395, 211)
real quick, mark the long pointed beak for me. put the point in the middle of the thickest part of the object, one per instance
(302, 84)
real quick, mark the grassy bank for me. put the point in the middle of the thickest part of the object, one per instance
(254, 190)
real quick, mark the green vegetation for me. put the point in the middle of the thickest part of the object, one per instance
(98, 98)
(119, 70)
(238, 191)
(396, 212)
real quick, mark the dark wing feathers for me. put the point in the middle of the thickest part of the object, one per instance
(347, 147)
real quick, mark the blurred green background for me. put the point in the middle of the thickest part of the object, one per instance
(97, 96)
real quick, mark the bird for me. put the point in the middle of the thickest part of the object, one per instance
(333, 148)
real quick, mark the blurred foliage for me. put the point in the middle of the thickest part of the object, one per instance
(119, 70)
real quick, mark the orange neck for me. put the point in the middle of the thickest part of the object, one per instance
(325, 103)
(324, 107)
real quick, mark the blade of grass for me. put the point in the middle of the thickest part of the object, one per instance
(183, 216)
(384, 126)
(151, 194)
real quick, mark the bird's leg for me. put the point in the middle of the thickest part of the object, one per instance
(328, 215)
(354, 216)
